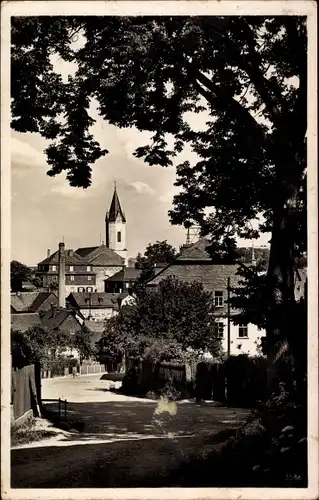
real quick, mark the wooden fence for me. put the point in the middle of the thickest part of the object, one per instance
(239, 380)
(25, 390)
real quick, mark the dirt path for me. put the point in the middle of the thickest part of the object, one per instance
(128, 441)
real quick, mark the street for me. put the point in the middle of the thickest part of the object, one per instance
(124, 441)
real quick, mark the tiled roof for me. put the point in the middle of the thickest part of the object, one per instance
(212, 276)
(70, 258)
(30, 301)
(54, 319)
(50, 319)
(99, 300)
(97, 329)
(115, 209)
(23, 321)
(104, 256)
(42, 296)
(128, 274)
(23, 300)
(197, 251)
(83, 252)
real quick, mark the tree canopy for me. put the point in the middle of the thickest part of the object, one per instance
(164, 322)
(160, 252)
(20, 273)
(246, 74)
(38, 344)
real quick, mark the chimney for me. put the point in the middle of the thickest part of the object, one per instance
(61, 293)
(48, 253)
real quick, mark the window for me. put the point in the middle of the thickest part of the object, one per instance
(53, 268)
(119, 237)
(88, 268)
(89, 289)
(242, 331)
(71, 268)
(219, 299)
(219, 329)
(80, 289)
(89, 278)
(71, 277)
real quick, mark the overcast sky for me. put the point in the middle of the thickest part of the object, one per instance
(45, 210)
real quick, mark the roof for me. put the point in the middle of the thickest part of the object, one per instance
(48, 319)
(23, 321)
(97, 329)
(70, 256)
(101, 256)
(30, 301)
(99, 300)
(212, 276)
(115, 209)
(83, 252)
(197, 251)
(54, 319)
(126, 274)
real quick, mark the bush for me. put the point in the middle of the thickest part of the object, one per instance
(170, 392)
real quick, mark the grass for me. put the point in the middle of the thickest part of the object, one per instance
(28, 433)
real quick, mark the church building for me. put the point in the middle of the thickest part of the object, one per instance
(87, 268)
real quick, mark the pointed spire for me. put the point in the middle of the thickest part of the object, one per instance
(115, 208)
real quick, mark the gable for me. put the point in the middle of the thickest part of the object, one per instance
(197, 251)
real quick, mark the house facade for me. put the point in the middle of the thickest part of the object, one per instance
(96, 307)
(195, 264)
(122, 281)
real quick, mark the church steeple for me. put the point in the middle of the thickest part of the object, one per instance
(115, 227)
(115, 209)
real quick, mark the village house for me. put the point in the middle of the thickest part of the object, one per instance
(97, 306)
(87, 268)
(195, 264)
(122, 281)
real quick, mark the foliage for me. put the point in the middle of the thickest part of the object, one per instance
(19, 273)
(82, 342)
(164, 322)
(158, 253)
(248, 78)
(38, 344)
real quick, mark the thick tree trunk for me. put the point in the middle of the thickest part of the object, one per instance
(282, 318)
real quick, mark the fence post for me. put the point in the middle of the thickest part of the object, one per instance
(65, 404)
(59, 409)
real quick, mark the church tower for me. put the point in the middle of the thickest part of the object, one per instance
(115, 227)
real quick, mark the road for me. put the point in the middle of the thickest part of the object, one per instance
(124, 442)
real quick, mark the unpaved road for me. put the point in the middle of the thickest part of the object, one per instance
(142, 446)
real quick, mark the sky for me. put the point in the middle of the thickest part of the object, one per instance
(46, 210)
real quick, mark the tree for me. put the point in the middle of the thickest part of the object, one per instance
(18, 273)
(82, 342)
(248, 74)
(38, 344)
(164, 323)
(157, 253)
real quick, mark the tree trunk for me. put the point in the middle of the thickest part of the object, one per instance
(281, 316)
